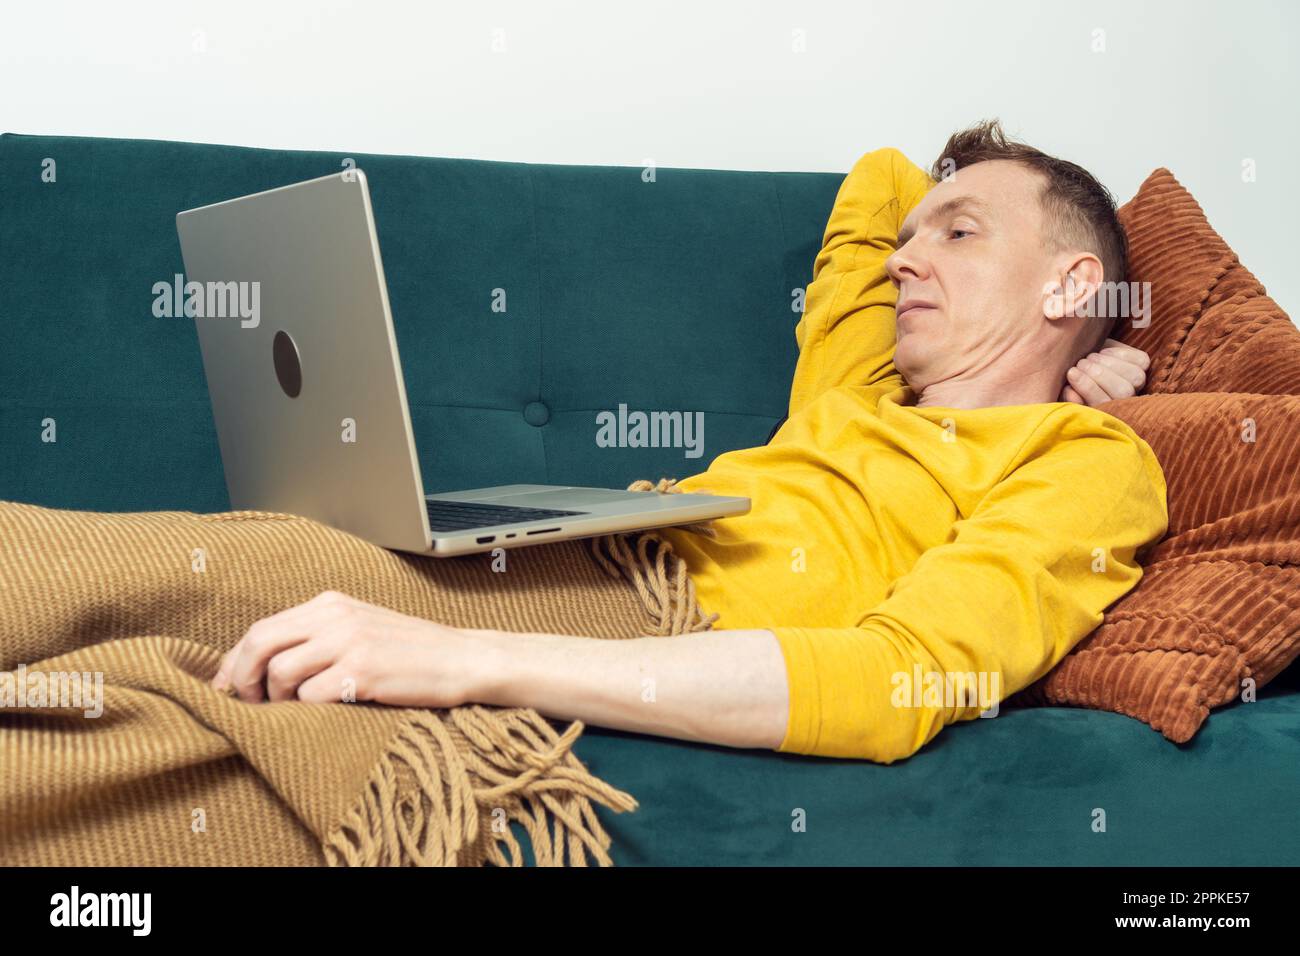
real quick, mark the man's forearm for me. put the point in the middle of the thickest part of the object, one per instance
(724, 687)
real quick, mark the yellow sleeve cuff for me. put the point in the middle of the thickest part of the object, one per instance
(841, 686)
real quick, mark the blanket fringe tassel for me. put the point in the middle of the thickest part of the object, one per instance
(520, 771)
(660, 578)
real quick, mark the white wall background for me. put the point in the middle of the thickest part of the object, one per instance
(1194, 85)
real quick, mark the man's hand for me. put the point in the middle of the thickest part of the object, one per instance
(336, 648)
(1117, 371)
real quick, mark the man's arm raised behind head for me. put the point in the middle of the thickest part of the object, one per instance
(846, 335)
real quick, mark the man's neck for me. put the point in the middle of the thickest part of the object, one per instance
(1040, 386)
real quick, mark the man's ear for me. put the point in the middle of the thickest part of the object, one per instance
(1073, 291)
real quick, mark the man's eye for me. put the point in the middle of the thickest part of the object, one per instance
(952, 233)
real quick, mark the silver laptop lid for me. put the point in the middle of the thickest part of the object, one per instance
(301, 360)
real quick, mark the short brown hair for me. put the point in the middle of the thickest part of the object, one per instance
(1079, 211)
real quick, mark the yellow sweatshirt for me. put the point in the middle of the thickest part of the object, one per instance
(893, 549)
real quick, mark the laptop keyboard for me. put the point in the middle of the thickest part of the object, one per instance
(463, 515)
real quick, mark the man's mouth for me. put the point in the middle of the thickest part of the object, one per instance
(910, 308)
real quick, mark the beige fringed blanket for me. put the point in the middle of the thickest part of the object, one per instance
(173, 772)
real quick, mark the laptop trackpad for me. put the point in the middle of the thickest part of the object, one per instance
(567, 499)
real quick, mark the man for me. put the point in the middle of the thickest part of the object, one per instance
(938, 512)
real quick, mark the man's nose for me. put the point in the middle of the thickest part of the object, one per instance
(902, 264)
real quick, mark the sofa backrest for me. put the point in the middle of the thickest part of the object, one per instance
(666, 291)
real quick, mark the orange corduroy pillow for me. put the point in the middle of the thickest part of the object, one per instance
(1212, 326)
(1217, 612)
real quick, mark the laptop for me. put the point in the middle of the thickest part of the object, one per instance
(287, 291)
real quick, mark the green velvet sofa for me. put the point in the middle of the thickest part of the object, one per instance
(671, 291)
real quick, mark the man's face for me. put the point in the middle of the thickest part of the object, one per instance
(975, 254)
